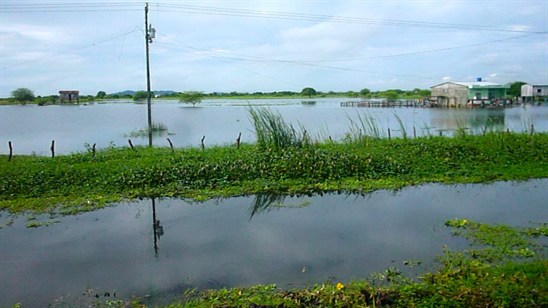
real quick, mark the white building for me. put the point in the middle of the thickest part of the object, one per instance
(530, 92)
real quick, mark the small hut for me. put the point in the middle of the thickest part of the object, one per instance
(69, 96)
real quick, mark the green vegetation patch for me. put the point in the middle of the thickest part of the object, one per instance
(85, 181)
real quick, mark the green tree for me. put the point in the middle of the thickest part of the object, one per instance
(365, 92)
(140, 95)
(101, 94)
(391, 95)
(308, 91)
(22, 95)
(191, 97)
(351, 94)
(515, 88)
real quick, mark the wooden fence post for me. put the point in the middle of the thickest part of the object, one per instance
(202, 141)
(11, 151)
(389, 134)
(238, 140)
(52, 148)
(170, 145)
(130, 144)
(414, 132)
(93, 149)
(532, 129)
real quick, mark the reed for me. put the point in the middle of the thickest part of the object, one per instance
(365, 127)
(158, 129)
(272, 131)
(401, 125)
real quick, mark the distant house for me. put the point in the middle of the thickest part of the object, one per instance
(534, 92)
(69, 96)
(460, 94)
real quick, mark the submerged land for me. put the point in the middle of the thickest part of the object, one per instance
(509, 268)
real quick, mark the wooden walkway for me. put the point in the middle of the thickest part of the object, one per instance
(384, 103)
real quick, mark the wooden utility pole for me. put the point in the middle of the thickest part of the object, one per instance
(148, 40)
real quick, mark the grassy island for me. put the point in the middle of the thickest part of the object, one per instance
(85, 181)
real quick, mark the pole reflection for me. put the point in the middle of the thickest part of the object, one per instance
(157, 228)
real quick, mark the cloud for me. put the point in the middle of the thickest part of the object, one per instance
(33, 32)
(193, 50)
(520, 28)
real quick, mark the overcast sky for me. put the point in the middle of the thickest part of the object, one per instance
(254, 45)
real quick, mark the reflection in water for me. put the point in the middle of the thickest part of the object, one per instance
(492, 121)
(472, 121)
(263, 202)
(158, 229)
(215, 244)
(266, 202)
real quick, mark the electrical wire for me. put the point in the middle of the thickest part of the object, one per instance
(330, 67)
(100, 41)
(69, 7)
(330, 18)
(264, 59)
(219, 11)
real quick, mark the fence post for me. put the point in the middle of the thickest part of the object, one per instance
(389, 134)
(202, 141)
(414, 132)
(11, 151)
(238, 140)
(130, 144)
(532, 129)
(93, 149)
(170, 145)
(52, 148)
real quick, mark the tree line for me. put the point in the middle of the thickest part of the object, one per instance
(25, 95)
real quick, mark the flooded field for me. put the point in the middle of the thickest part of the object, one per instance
(156, 249)
(31, 128)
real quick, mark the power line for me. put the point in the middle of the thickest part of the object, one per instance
(265, 59)
(329, 18)
(100, 41)
(68, 7)
(208, 53)
(231, 12)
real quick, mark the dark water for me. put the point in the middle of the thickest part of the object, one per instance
(291, 241)
(32, 128)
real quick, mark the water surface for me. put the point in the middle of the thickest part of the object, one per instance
(31, 128)
(290, 241)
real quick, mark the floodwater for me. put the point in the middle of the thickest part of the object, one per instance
(290, 241)
(32, 128)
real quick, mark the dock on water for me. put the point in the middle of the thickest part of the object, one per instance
(385, 103)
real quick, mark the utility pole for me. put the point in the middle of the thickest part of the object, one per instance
(149, 35)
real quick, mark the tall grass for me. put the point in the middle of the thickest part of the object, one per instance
(365, 127)
(273, 132)
(401, 125)
(158, 130)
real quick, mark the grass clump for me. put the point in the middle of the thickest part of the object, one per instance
(273, 132)
(158, 129)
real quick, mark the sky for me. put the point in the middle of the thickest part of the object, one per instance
(265, 46)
